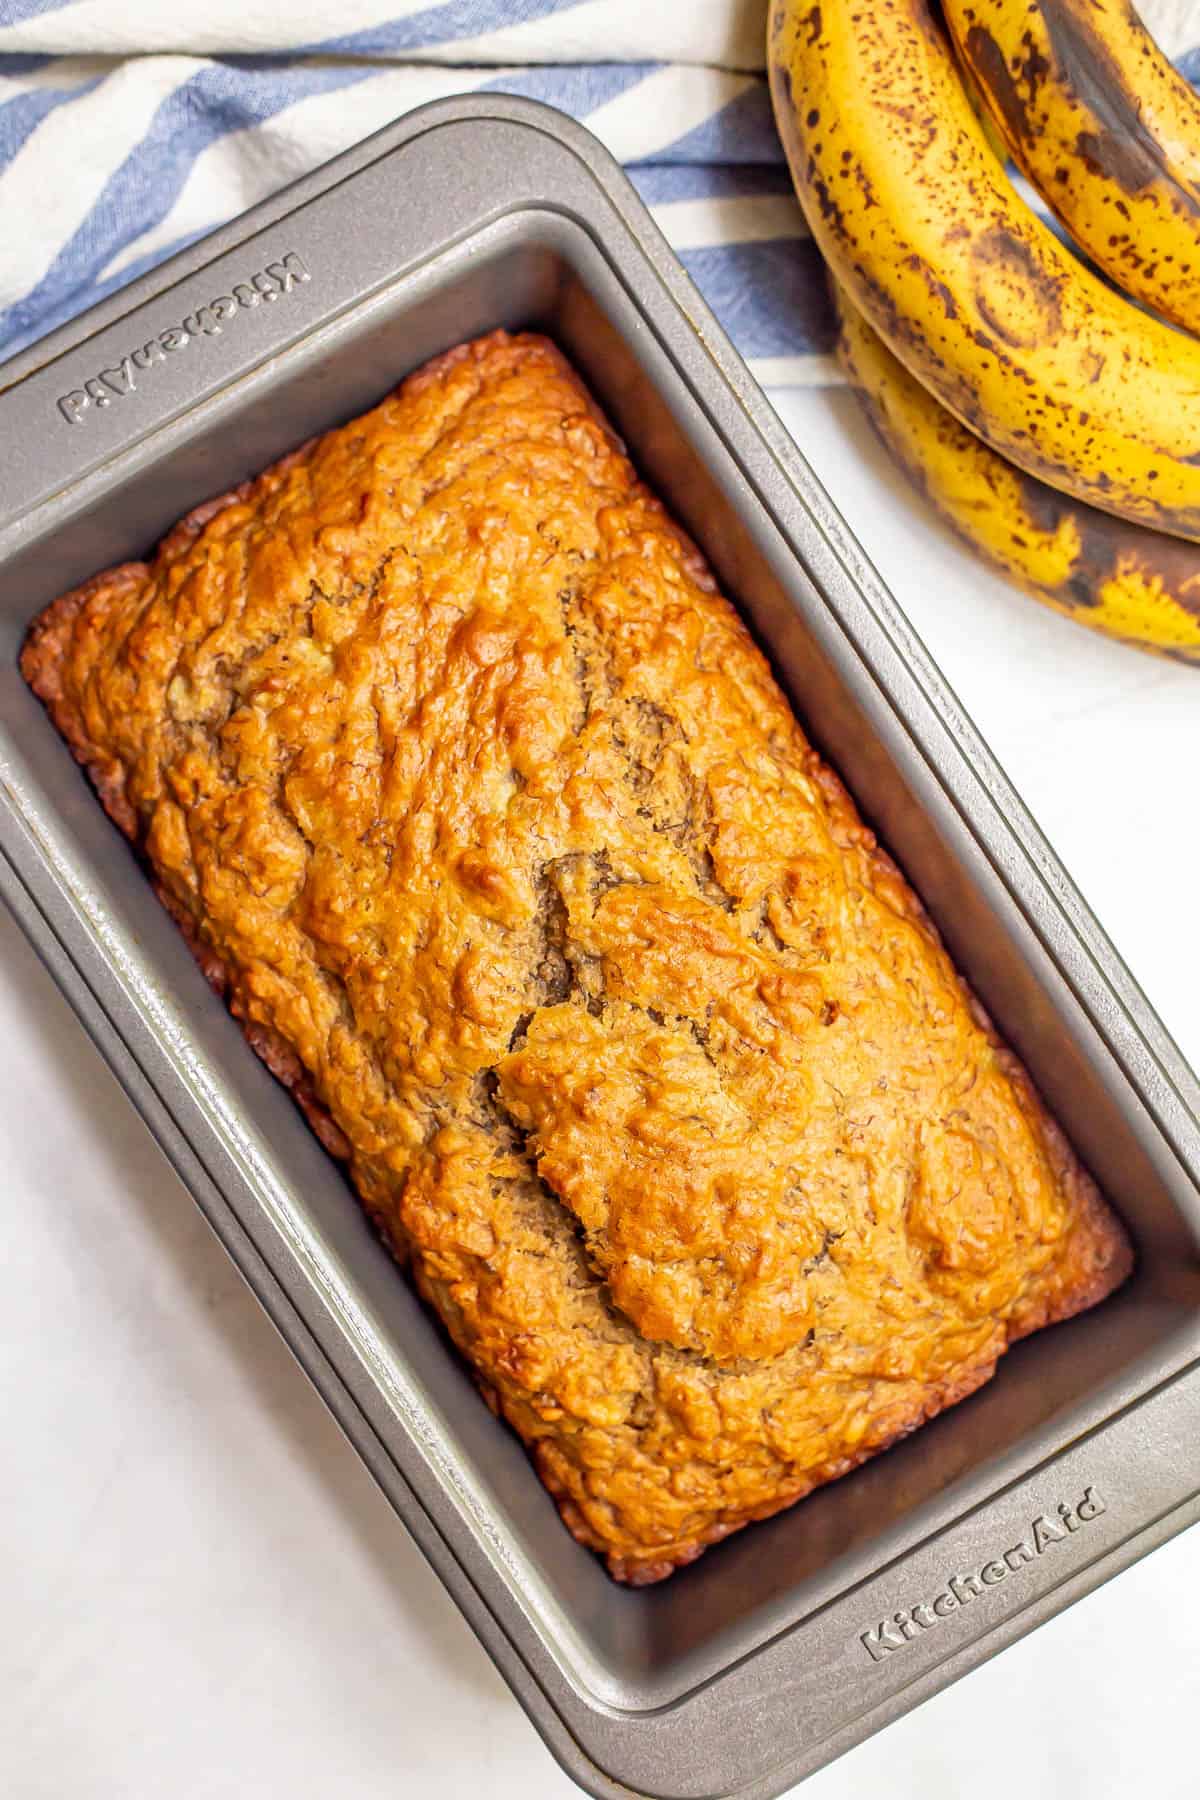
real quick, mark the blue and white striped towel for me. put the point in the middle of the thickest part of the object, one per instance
(130, 127)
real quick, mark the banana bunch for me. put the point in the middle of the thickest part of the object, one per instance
(1107, 131)
(1118, 578)
(1055, 422)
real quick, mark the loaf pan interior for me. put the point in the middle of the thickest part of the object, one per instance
(541, 270)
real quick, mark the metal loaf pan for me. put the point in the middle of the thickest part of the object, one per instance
(781, 1647)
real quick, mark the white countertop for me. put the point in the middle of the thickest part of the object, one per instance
(203, 1595)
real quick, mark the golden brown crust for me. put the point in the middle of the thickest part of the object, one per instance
(479, 806)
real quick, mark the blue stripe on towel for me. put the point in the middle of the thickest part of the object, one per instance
(448, 23)
(217, 100)
(660, 183)
(24, 113)
(15, 63)
(16, 10)
(68, 304)
(770, 297)
(575, 88)
(743, 131)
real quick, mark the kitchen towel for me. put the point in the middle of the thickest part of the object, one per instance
(128, 128)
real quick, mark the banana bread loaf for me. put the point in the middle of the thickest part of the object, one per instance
(483, 811)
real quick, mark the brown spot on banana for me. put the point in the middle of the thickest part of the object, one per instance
(1101, 124)
(1123, 160)
(1015, 296)
(1120, 145)
(1032, 69)
(937, 289)
(984, 54)
(831, 212)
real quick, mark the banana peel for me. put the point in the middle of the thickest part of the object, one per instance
(1113, 577)
(977, 297)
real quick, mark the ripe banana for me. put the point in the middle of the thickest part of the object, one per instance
(974, 293)
(1112, 576)
(1105, 129)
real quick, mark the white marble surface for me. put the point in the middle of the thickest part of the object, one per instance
(203, 1595)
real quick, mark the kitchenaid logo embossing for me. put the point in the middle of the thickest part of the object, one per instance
(269, 284)
(1045, 1532)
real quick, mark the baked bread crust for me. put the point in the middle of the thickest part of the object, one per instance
(481, 808)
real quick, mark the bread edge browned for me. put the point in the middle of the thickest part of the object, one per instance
(1112, 1257)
